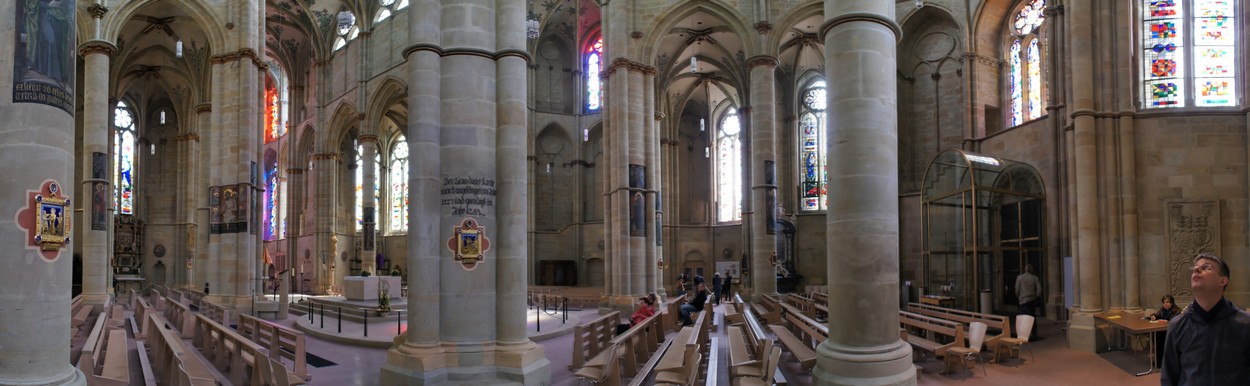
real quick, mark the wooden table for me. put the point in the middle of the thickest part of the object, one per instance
(937, 300)
(1133, 324)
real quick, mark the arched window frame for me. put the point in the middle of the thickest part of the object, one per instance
(360, 181)
(345, 28)
(397, 185)
(813, 160)
(593, 66)
(1026, 63)
(728, 165)
(125, 158)
(277, 109)
(388, 8)
(1189, 54)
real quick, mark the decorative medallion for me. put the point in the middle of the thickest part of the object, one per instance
(469, 244)
(46, 220)
(159, 250)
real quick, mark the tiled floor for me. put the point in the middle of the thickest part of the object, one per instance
(1055, 364)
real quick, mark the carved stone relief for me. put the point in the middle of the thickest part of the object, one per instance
(1192, 227)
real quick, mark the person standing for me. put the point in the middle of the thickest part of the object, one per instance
(716, 288)
(1209, 343)
(1028, 292)
(726, 283)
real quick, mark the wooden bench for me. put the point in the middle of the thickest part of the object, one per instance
(768, 309)
(993, 322)
(672, 313)
(931, 334)
(142, 309)
(801, 335)
(181, 317)
(642, 343)
(232, 353)
(676, 365)
(216, 312)
(282, 343)
(173, 363)
(104, 360)
(81, 311)
(591, 338)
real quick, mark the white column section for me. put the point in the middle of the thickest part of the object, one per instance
(96, 128)
(763, 150)
(862, 227)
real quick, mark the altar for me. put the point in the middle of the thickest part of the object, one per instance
(366, 287)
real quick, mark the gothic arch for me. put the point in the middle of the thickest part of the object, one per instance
(674, 16)
(382, 103)
(203, 17)
(344, 120)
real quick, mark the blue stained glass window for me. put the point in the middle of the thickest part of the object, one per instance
(594, 86)
(812, 175)
(1189, 50)
(1026, 93)
(1016, 88)
(123, 158)
(271, 202)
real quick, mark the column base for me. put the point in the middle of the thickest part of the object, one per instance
(414, 364)
(883, 365)
(71, 376)
(1084, 334)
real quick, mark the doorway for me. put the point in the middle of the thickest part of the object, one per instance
(1019, 243)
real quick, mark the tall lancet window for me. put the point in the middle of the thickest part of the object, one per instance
(1024, 55)
(729, 167)
(399, 185)
(1205, 74)
(815, 179)
(124, 158)
(273, 198)
(594, 86)
(345, 28)
(388, 8)
(360, 183)
(275, 104)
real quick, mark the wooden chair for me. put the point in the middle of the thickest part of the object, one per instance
(1012, 346)
(767, 379)
(600, 370)
(972, 353)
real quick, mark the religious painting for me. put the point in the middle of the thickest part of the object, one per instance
(214, 209)
(52, 223)
(99, 205)
(659, 227)
(770, 210)
(230, 204)
(45, 53)
(368, 233)
(637, 219)
(637, 176)
(770, 172)
(245, 206)
(468, 243)
(98, 164)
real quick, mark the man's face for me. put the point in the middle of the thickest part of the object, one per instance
(1205, 276)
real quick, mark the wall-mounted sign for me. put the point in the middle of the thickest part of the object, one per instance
(468, 243)
(46, 220)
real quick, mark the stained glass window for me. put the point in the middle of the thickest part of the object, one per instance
(729, 168)
(594, 86)
(272, 198)
(123, 157)
(360, 182)
(346, 29)
(1024, 56)
(388, 8)
(399, 185)
(275, 104)
(1189, 51)
(813, 177)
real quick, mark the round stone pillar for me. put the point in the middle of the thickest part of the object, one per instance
(96, 185)
(37, 198)
(763, 220)
(862, 227)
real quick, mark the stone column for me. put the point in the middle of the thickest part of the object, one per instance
(654, 281)
(368, 230)
(863, 347)
(1081, 333)
(763, 116)
(97, 175)
(37, 151)
(199, 239)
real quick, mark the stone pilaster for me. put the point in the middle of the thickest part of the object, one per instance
(862, 227)
(96, 55)
(37, 149)
(199, 239)
(1082, 333)
(763, 118)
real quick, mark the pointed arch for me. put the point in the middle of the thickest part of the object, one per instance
(674, 16)
(208, 20)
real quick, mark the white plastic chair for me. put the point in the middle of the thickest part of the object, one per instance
(1024, 327)
(976, 338)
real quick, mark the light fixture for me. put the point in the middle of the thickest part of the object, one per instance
(919, 4)
(707, 152)
(585, 135)
(532, 25)
(178, 49)
(694, 64)
(153, 147)
(702, 124)
(548, 168)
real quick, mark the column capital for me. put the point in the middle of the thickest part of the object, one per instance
(367, 138)
(862, 16)
(240, 54)
(294, 171)
(761, 60)
(97, 47)
(326, 156)
(97, 10)
(629, 65)
(763, 27)
(659, 115)
(187, 137)
(203, 108)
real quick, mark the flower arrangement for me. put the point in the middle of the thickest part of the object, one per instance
(384, 299)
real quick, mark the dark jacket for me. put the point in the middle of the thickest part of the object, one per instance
(1208, 348)
(700, 297)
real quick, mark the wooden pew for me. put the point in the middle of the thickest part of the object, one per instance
(643, 343)
(966, 318)
(104, 360)
(677, 365)
(802, 335)
(768, 309)
(282, 343)
(672, 313)
(216, 313)
(232, 353)
(181, 317)
(142, 309)
(174, 364)
(591, 338)
(80, 311)
(931, 334)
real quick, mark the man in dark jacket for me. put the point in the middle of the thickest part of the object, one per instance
(1209, 343)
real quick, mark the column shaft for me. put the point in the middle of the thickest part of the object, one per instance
(763, 167)
(95, 149)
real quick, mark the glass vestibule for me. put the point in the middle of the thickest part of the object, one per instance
(983, 218)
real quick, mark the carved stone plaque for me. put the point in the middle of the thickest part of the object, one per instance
(1191, 227)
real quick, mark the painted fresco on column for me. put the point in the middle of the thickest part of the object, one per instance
(637, 202)
(770, 197)
(99, 206)
(214, 209)
(659, 223)
(44, 53)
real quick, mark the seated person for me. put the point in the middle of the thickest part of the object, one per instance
(1169, 311)
(694, 305)
(646, 308)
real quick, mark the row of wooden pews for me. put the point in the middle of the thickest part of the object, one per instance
(279, 341)
(998, 323)
(750, 350)
(242, 361)
(800, 334)
(593, 337)
(173, 362)
(104, 359)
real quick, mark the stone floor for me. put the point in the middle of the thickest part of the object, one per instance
(1055, 364)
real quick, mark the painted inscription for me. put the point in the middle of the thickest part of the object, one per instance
(468, 196)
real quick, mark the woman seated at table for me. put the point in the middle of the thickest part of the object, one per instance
(1169, 311)
(646, 308)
